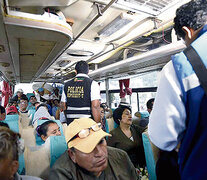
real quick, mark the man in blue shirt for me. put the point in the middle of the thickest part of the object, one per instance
(175, 117)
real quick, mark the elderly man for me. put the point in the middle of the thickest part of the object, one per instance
(88, 156)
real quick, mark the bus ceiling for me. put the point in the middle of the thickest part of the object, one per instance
(43, 40)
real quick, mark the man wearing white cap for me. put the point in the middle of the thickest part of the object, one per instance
(19, 95)
(88, 156)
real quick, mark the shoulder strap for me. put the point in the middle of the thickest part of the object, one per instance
(197, 65)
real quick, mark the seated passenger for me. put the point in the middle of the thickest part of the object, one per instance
(19, 95)
(149, 104)
(12, 103)
(104, 122)
(48, 128)
(42, 113)
(88, 157)
(55, 108)
(127, 136)
(2, 113)
(55, 95)
(141, 119)
(11, 110)
(145, 120)
(32, 101)
(9, 152)
(23, 103)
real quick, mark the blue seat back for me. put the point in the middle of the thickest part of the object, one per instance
(58, 146)
(31, 112)
(12, 117)
(39, 140)
(30, 107)
(21, 169)
(12, 121)
(149, 156)
(29, 95)
(144, 114)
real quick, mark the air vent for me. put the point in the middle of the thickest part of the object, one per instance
(152, 7)
(118, 23)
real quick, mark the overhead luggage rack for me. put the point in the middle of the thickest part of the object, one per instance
(33, 43)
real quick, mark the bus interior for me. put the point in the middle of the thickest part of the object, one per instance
(42, 40)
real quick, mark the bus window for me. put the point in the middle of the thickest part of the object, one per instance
(143, 98)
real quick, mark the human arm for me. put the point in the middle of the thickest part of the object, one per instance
(62, 106)
(95, 103)
(167, 119)
(95, 106)
(111, 140)
(63, 102)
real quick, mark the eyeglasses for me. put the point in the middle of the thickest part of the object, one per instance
(23, 102)
(85, 132)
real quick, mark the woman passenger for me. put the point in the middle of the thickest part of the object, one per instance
(10, 148)
(48, 128)
(41, 113)
(127, 136)
(104, 122)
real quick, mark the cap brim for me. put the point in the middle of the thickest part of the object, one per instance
(86, 145)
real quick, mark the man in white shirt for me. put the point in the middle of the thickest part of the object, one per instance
(176, 115)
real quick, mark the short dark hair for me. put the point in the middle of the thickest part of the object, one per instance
(149, 103)
(103, 106)
(82, 67)
(31, 97)
(43, 128)
(117, 114)
(2, 109)
(192, 15)
(24, 98)
(11, 101)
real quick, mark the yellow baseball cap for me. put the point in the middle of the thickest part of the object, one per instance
(87, 144)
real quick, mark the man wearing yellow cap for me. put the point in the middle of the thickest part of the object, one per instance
(88, 156)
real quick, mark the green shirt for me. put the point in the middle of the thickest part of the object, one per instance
(119, 168)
